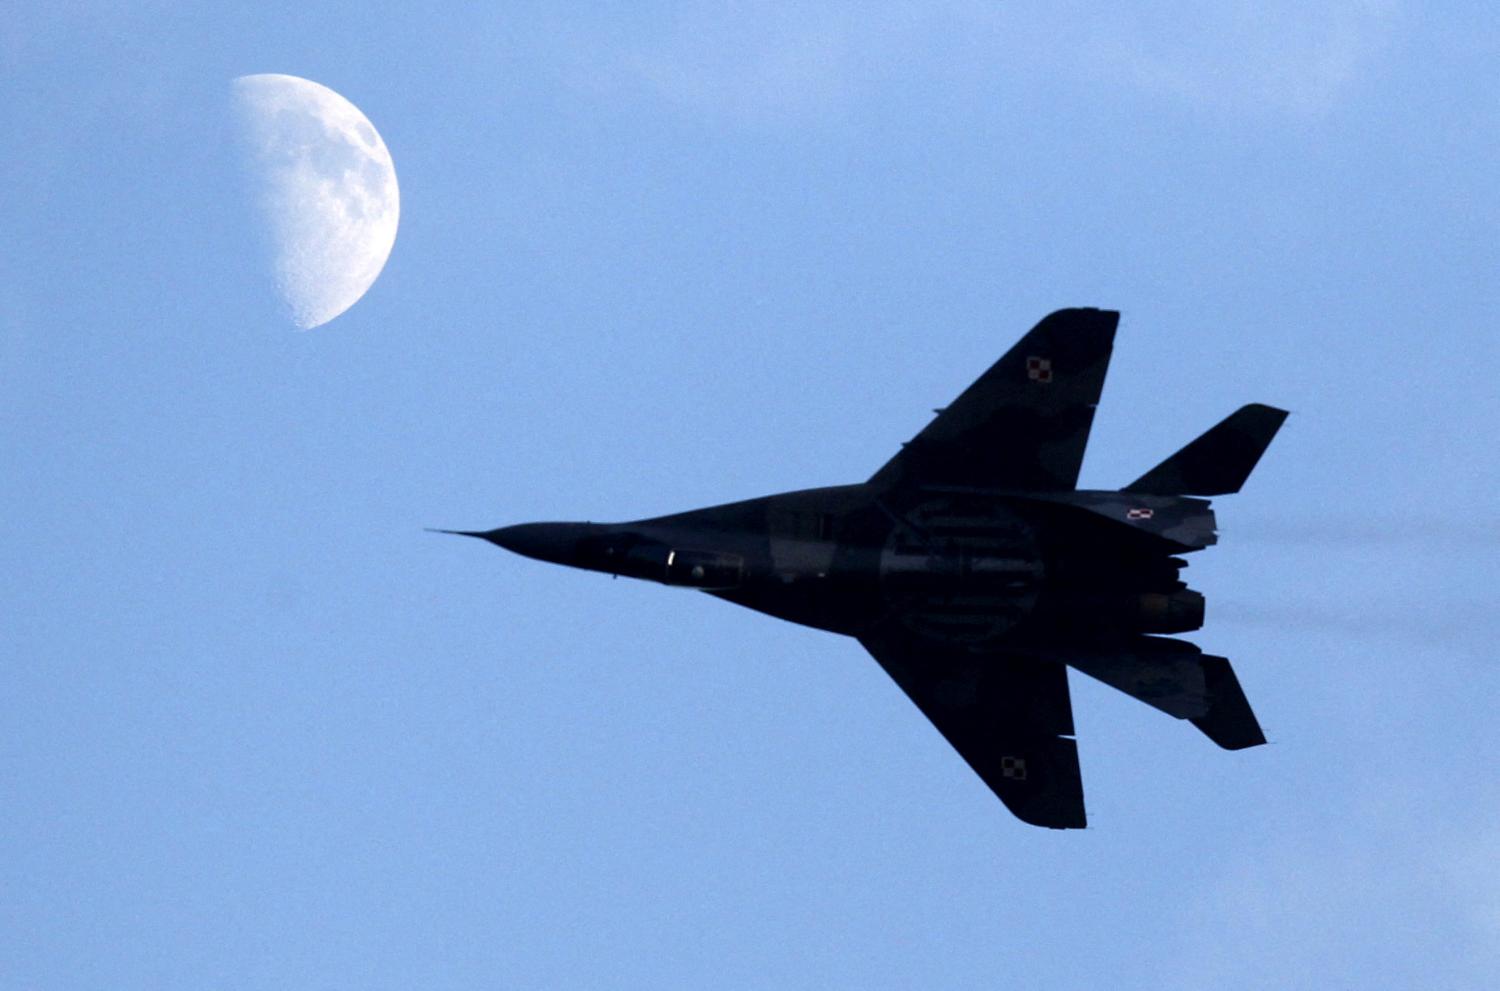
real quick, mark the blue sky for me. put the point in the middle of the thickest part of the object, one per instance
(258, 730)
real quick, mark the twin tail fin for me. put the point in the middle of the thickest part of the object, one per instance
(1219, 461)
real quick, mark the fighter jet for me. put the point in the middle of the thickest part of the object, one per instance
(975, 572)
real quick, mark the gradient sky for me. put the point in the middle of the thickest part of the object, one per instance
(258, 730)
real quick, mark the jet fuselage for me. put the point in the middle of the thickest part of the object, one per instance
(957, 567)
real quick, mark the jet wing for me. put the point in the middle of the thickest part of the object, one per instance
(1024, 423)
(1009, 716)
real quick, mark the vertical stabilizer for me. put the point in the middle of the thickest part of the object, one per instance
(1219, 461)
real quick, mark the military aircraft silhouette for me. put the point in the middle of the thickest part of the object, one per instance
(975, 572)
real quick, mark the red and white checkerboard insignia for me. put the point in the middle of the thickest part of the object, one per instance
(1039, 370)
(1013, 767)
(1139, 513)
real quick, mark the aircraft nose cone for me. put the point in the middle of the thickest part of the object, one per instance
(555, 542)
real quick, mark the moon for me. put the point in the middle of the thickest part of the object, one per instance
(324, 186)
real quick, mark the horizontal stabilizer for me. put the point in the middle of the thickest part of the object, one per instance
(1219, 461)
(1229, 722)
(1173, 676)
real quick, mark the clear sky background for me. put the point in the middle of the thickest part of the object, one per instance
(258, 730)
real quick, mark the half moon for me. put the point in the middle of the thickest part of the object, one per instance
(325, 187)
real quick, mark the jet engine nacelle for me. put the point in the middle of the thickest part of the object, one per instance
(1175, 612)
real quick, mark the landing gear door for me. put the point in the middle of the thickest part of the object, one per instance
(705, 569)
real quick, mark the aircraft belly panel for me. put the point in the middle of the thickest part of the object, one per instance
(960, 571)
